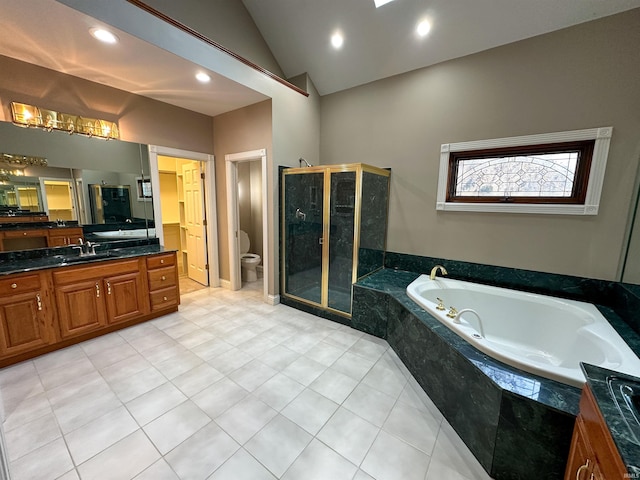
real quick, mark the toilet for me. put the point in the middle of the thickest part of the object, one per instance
(248, 261)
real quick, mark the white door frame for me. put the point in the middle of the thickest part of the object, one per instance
(233, 217)
(74, 195)
(210, 201)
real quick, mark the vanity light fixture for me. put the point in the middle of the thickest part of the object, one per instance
(423, 28)
(103, 35)
(203, 77)
(337, 40)
(25, 115)
(13, 161)
(380, 3)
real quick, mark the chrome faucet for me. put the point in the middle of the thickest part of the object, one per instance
(434, 270)
(91, 248)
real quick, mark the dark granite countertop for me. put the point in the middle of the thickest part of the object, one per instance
(554, 394)
(67, 256)
(617, 421)
(35, 226)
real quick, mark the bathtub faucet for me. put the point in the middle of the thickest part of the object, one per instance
(458, 316)
(434, 270)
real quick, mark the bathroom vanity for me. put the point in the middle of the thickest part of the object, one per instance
(604, 443)
(22, 236)
(593, 454)
(55, 301)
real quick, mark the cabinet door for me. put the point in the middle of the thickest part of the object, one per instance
(125, 297)
(81, 307)
(23, 323)
(57, 240)
(580, 463)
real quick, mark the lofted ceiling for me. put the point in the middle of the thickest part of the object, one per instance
(378, 43)
(381, 42)
(52, 35)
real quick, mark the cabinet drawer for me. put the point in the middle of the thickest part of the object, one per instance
(68, 275)
(167, 297)
(25, 233)
(13, 285)
(158, 261)
(162, 278)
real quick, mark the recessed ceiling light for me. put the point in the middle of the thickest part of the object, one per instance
(423, 28)
(203, 77)
(103, 35)
(337, 40)
(380, 3)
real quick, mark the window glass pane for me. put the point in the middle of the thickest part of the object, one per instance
(532, 175)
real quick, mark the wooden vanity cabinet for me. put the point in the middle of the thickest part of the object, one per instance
(26, 238)
(55, 308)
(593, 455)
(162, 274)
(91, 297)
(61, 237)
(25, 314)
(11, 240)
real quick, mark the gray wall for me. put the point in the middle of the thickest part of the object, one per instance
(242, 130)
(581, 77)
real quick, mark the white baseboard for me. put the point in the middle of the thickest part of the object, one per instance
(225, 284)
(273, 299)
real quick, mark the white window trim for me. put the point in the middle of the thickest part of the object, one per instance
(602, 137)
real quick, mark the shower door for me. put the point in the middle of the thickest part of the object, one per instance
(341, 240)
(303, 233)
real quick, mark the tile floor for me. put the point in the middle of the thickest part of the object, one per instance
(227, 388)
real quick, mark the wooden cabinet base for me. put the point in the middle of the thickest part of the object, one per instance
(83, 337)
(55, 308)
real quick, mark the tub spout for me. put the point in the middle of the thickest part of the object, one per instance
(458, 317)
(434, 270)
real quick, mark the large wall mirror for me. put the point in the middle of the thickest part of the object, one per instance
(631, 261)
(103, 185)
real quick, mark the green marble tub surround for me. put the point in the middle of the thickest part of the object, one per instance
(616, 300)
(626, 441)
(502, 413)
(600, 292)
(626, 299)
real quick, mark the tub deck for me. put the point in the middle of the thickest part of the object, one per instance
(502, 413)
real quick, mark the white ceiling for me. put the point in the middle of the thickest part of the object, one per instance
(52, 35)
(379, 43)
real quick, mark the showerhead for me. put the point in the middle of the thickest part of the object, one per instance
(300, 160)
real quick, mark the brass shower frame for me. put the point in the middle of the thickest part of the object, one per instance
(327, 170)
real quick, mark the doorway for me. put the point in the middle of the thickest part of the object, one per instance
(184, 193)
(183, 219)
(255, 196)
(58, 199)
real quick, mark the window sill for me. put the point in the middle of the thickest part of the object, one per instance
(518, 208)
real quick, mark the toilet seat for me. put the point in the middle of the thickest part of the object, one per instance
(250, 258)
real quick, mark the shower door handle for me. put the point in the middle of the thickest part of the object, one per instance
(321, 240)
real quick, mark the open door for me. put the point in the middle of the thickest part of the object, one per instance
(195, 222)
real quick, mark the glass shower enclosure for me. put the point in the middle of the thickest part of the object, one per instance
(334, 227)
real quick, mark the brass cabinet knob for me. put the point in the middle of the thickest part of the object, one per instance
(162, 261)
(163, 278)
(14, 285)
(165, 298)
